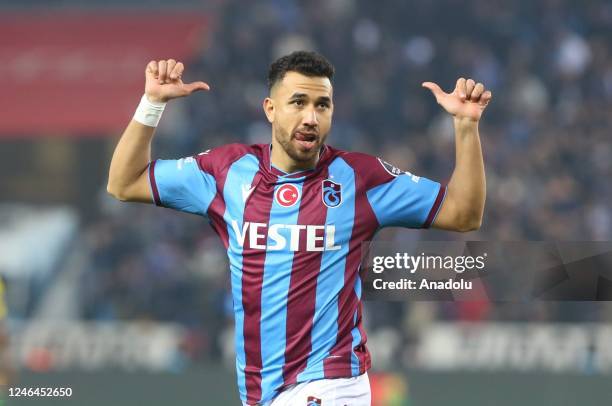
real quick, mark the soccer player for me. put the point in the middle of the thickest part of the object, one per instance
(293, 215)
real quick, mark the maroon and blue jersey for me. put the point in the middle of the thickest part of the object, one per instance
(294, 246)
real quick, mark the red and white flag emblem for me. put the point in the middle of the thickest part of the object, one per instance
(287, 195)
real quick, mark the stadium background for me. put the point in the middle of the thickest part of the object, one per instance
(128, 304)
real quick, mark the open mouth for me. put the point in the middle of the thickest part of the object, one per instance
(306, 140)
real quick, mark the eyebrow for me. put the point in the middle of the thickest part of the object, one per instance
(295, 96)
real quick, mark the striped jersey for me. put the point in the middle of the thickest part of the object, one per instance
(294, 246)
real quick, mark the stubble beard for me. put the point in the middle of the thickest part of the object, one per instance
(284, 139)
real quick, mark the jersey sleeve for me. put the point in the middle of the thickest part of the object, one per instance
(186, 184)
(399, 198)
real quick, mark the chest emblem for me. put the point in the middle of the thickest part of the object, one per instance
(331, 193)
(287, 195)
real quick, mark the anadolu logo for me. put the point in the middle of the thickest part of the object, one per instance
(331, 193)
(287, 195)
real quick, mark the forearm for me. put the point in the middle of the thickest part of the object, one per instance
(467, 187)
(130, 159)
(127, 178)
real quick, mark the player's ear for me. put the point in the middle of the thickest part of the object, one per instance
(268, 106)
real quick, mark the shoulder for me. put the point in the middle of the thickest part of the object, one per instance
(222, 157)
(369, 169)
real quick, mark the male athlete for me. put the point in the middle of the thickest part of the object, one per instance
(293, 215)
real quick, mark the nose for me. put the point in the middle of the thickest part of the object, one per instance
(310, 118)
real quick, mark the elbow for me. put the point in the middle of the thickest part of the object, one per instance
(115, 192)
(468, 222)
(470, 225)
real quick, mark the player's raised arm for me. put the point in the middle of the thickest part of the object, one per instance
(127, 178)
(463, 205)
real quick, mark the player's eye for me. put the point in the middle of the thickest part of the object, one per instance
(323, 105)
(298, 102)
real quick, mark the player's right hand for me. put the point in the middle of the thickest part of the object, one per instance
(163, 81)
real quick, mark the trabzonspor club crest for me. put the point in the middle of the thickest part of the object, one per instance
(331, 193)
(312, 401)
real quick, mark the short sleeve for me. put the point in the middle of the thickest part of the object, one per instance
(182, 185)
(403, 199)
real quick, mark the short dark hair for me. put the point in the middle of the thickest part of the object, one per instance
(305, 62)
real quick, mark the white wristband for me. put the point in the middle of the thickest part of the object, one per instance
(148, 112)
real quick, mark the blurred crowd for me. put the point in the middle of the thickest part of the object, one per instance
(545, 136)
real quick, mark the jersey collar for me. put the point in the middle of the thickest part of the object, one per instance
(323, 155)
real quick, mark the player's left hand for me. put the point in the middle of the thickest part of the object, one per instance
(468, 100)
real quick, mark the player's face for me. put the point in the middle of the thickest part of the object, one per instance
(300, 109)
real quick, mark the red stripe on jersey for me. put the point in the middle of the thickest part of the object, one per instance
(435, 207)
(153, 184)
(338, 363)
(253, 260)
(217, 162)
(303, 285)
(362, 351)
(216, 209)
